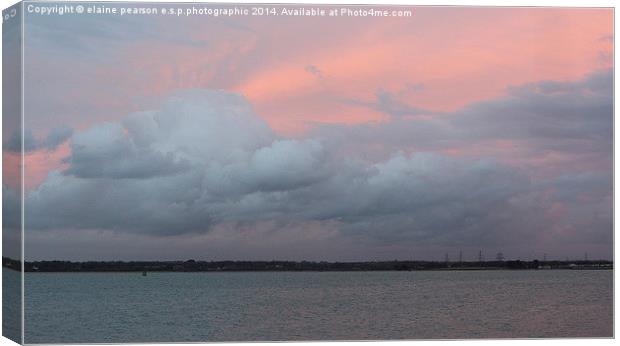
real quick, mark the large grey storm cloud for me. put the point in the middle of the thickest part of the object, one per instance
(205, 161)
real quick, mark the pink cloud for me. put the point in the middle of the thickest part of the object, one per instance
(38, 164)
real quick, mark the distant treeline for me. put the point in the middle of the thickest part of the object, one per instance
(211, 266)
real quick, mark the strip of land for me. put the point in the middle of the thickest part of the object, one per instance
(231, 266)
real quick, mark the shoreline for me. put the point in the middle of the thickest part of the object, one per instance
(297, 271)
(294, 266)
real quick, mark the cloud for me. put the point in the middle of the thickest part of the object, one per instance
(14, 142)
(554, 125)
(205, 161)
(314, 70)
(104, 151)
(11, 205)
(11, 223)
(55, 137)
(392, 105)
(549, 112)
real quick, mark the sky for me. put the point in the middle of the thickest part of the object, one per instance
(307, 138)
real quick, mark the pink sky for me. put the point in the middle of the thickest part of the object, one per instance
(427, 115)
(459, 55)
(441, 59)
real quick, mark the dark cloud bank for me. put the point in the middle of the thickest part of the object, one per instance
(30, 143)
(205, 163)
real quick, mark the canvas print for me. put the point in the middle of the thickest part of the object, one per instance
(217, 172)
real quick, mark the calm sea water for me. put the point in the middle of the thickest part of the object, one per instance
(164, 307)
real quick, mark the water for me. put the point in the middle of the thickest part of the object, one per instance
(11, 304)
(166, 307)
